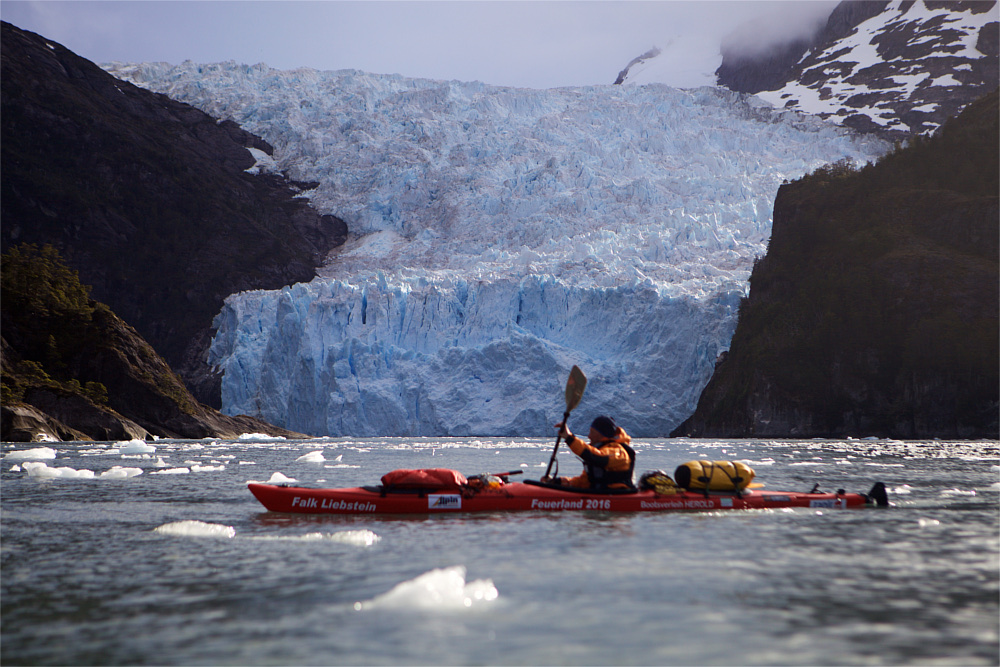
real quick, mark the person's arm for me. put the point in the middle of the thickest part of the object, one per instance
(588, 452)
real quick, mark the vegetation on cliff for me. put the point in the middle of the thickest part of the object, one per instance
(73, 360)
(875, 310)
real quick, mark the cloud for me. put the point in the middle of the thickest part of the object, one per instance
(536, 44)
(777, 24)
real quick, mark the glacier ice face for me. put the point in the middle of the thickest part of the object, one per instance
(466, 357)
(499, 236)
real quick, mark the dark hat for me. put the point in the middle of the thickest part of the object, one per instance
(606, 426)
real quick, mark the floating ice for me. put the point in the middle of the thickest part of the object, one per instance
(135, 447)
(171, 471)
(40, 470)
(312, 457)
(209, 468)
(360, 538)
(196, 529)
(958, 492)
(443, 589)
(36, 454)
(258, 437)
(276, 478)
(119, 472)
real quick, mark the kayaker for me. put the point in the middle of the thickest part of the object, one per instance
(608, 460)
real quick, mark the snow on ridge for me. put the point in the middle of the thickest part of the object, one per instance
(500, 235)
(873, 73)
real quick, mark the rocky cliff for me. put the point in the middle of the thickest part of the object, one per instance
(892, 68)
(148, 199)
(875, 309)
(73, 370)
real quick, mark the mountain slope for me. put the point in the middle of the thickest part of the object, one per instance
(772, 68)
(74, 370)
(500, 235)
(875, 310)
(148, 198)
(889, 67)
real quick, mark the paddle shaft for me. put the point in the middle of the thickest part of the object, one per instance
(575, 386)
(555, 449)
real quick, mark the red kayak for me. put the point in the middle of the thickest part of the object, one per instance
(493, 493)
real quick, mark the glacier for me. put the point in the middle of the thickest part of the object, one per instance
(498, 237)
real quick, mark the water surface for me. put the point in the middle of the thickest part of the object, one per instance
(87, 577)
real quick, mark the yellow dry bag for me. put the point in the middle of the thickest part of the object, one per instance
(714, 475)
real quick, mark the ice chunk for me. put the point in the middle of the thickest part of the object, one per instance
(312, 457)
(443, 590)
(258, 437)
(134, 447)
(36, 454)
(119, 472)
(360, 538)
(196, 529)
(40, 470)
(276, 478)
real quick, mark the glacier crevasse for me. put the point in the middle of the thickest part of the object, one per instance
(499, 236)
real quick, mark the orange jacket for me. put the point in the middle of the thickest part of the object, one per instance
(607, 454)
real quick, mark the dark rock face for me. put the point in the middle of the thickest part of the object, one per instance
(147, 198)
(72, 369)
(26, 423)
(920, 75)
(876, 311)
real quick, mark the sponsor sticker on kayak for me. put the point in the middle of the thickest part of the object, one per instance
(832, 502)
(444, 501)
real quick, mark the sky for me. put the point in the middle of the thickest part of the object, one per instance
(532, 44)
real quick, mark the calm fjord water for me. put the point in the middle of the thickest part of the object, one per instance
(88, 579)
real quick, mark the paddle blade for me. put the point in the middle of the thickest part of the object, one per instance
(575, 386)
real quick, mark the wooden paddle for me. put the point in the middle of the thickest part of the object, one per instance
(575, 385)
